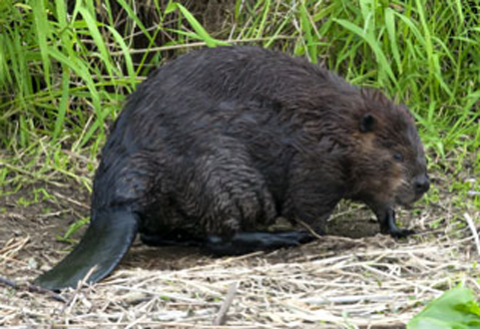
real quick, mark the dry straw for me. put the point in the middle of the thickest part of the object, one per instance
(335, 282)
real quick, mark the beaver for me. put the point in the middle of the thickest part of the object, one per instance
(220, 141)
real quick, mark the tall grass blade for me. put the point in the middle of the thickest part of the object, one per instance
(370, 40)
(42, 29)
(392, 37)
(99, 41)
(63, 106)
(311, 42)
(201, 32)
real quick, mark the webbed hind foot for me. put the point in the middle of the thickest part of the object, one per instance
(247, 242)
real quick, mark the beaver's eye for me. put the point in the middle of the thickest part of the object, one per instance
(398, 156)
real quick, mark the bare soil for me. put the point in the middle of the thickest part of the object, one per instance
(42, 224)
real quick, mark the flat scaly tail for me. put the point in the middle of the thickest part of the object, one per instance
(104, 244)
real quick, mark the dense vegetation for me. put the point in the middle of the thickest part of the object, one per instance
(66, 67)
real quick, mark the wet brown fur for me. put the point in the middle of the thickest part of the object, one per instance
(289, 130)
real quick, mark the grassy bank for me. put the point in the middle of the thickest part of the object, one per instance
(66, 68)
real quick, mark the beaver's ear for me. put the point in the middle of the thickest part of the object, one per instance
(367, 123)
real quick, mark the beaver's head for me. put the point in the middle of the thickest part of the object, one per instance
(388, 164)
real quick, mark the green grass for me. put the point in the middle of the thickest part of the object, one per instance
(64, 72)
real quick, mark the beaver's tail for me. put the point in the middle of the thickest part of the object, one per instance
(107, 240)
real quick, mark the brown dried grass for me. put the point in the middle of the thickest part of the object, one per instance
(372, 282)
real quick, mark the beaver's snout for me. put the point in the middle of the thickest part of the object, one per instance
(421, 185)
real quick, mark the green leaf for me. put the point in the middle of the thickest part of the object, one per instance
(455, 309)
(73, 228)
(171, 7)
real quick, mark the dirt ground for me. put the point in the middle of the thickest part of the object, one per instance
(41, 224)
(366, 279)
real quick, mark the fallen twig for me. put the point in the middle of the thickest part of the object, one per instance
(471, 224)
(221, 317)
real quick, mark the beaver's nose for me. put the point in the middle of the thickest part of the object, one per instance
(422, 184)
